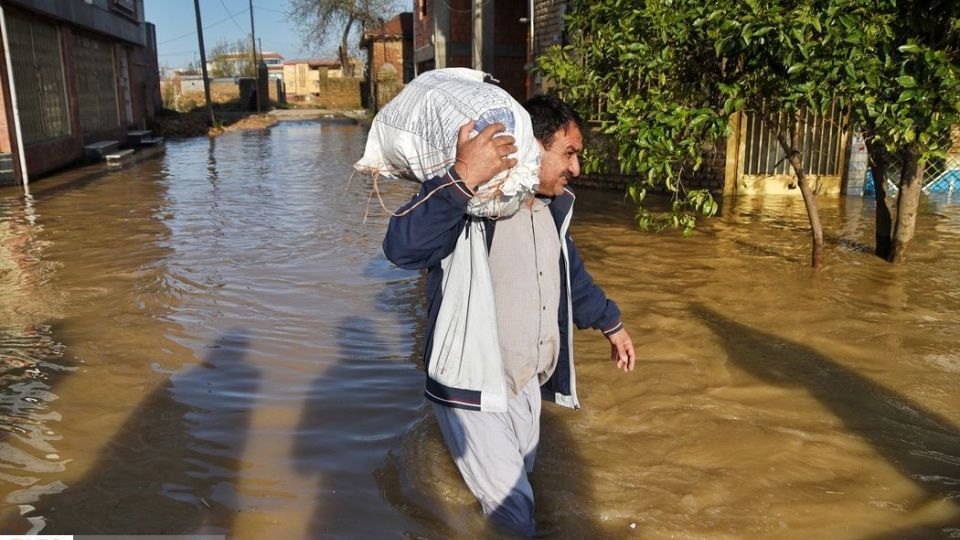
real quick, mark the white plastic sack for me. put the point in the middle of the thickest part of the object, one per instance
(415, 136)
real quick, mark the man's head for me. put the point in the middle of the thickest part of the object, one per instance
(559, 131)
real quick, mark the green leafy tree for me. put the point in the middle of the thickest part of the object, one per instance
(673, 72)
(647, 78)
(776, 49)
(902, 76)
(662, 77)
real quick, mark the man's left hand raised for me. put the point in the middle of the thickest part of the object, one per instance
(621, 350)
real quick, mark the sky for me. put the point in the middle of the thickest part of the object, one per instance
(176, 28)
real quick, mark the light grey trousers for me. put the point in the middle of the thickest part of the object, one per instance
(494, 452)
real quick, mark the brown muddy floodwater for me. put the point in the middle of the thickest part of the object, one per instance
(211, 341)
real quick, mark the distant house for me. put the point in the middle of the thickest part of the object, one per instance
(238, 61)
(81, 72)
(321, 81)
(274, 62)
(389, 58)
(301, 78)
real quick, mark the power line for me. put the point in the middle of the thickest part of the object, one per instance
(231, 16)
(268, 9)
(207, 27)
(178, 53)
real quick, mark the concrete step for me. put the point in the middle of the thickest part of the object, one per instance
(8, 175)
(151, 141)
(100, 149)
(116, 159)
(137, 137)
(7, 178)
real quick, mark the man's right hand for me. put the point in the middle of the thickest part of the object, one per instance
(481, 158)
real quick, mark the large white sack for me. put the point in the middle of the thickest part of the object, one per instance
(415, 135)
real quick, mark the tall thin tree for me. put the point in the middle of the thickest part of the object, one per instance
(319, 19)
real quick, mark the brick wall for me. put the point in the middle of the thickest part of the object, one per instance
(343, 93)
(548, 24)
(711, 173)
(510, 47)
(422, 25)
(461, 22)
(710, 176)
(6, 118)
(387, 90)
(275, 91)
(387, 51)
(548, 31)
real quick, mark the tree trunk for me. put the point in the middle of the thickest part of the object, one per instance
(813, 214)
(882, 222)
(809, 197)
(908, 203)
(345, 66)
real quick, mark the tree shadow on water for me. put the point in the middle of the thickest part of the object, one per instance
(923, 445)
(171, 468)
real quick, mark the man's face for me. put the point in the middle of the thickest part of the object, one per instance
(560, 161)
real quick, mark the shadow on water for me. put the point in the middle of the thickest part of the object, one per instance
(334, 421)
(180, 448)
(923, 445)
(366, 416)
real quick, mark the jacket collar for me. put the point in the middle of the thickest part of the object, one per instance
(561, 205)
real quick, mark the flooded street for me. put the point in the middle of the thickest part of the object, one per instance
(211, 341)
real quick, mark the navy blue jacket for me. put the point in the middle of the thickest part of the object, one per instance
(425, 235)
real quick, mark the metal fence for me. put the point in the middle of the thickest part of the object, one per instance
(821, 145)
(939, 176)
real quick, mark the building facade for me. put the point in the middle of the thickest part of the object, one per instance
(320, 82)
(77, 71)
(237, 64)
(389, 59)
(486, 35)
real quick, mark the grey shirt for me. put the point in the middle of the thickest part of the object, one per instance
(525, 267)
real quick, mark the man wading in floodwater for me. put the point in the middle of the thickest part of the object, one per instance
(540, 290)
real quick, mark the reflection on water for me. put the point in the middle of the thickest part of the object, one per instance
(210, 341)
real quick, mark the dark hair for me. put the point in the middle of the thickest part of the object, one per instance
(550, 114)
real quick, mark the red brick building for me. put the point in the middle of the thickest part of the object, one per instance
(79, 72)
(487, 35)
(389, 58)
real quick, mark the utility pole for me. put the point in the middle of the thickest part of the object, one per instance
(203, 64)
(260, 44)
(256, 66)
